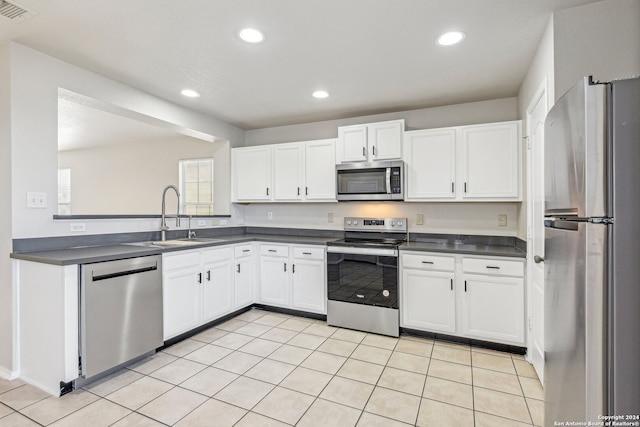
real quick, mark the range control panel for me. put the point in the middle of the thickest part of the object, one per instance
(375, 224)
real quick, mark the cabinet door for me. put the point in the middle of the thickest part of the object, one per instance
(309, 285)
(288, 171)
(243, 282)
(252, 173)
(385, 140)
(217, 286)
(320, 170)
(182, 300)
(274, 281)
(491, 161)
(352, 143)
(428, 301)
(431, 164)
(493, 308)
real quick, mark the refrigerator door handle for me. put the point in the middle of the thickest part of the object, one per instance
(561, 224)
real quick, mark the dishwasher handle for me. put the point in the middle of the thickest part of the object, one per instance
(121, 273)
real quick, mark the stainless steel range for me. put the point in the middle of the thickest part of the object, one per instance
(362, 275)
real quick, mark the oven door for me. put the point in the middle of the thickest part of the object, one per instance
(363, 276)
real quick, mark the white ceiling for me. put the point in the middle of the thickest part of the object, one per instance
(372, 56)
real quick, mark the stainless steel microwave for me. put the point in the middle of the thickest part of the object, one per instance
(370, 181)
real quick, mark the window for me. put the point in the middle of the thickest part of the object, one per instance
(64, 191)
(196, 186)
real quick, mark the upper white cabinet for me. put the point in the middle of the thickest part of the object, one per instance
(491, 161)
(370, 142)
(430, 164)
(251, 173)
(465, 163)
(297, 171)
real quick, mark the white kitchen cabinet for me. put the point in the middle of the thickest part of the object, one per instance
(251, 173)
(309, 289)
(428, 300)
(244, 280)
(461, 295)
(217, 283)
(290, 172)
(274, 278)
(370, 142)
(293, 276)
(320, 170)
(493, 300)
(197, 288)
(490, 166)
(464, 163)
(430, 164)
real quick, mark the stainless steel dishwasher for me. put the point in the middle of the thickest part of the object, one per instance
(120, 312)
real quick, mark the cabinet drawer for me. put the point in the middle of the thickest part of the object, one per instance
(242, 251)
(308, 252)
(221, 254)
(274, 250)
(493, 266)
(428, 262)
(180, 259)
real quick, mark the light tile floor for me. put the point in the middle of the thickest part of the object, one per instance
(270, 369)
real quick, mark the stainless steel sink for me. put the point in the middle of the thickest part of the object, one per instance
(194, 241)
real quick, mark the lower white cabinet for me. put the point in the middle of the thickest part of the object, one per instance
(197, 288)
(293, 276)
(493, 300)
(468, 296)
(244, 280)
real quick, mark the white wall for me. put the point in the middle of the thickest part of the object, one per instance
(6, 287)
(454, 218)
(600, 39)
(35, 79)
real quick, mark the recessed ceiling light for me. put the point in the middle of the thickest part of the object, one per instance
(190, 93)
(320, 94)
(450, 38)
(251, 35)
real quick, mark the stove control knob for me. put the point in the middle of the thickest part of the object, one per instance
(348, 222)
(355, 222)
(393, 223)
(399, 223)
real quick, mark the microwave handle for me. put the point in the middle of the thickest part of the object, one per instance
(388, 180)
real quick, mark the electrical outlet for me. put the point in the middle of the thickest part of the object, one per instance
(202, 222)
(419, 219)
(77, 226)
(36, 200)
(269, 215)
(223, 222)
(502, 220)
(330, 217)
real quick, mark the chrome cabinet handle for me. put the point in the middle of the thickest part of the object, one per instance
(272, 250)
(199, 277)
(427, 262)
(285, 266)
(238, 268)
(451, 284)
(538, 259)
(493, 267)
(306, 253)
(374, 150)
(208, 275)
(453, 187)
(293, 268)
(267, 191)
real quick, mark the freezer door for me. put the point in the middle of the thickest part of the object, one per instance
(575, 153)
(574, 372)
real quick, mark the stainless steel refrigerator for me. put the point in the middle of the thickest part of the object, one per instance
(592, 253)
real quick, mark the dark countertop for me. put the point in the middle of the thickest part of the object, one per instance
(109, 252)
(88, 254)
(465, 248)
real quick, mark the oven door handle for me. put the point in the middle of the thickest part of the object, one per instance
(362, 251)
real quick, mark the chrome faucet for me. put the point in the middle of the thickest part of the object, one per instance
(163, 226)
(191, 234)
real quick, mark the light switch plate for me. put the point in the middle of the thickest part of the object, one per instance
(36, 200)
(502, 220)
(77, 226)
(419, 219)
(330, 217)
(269, 215)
